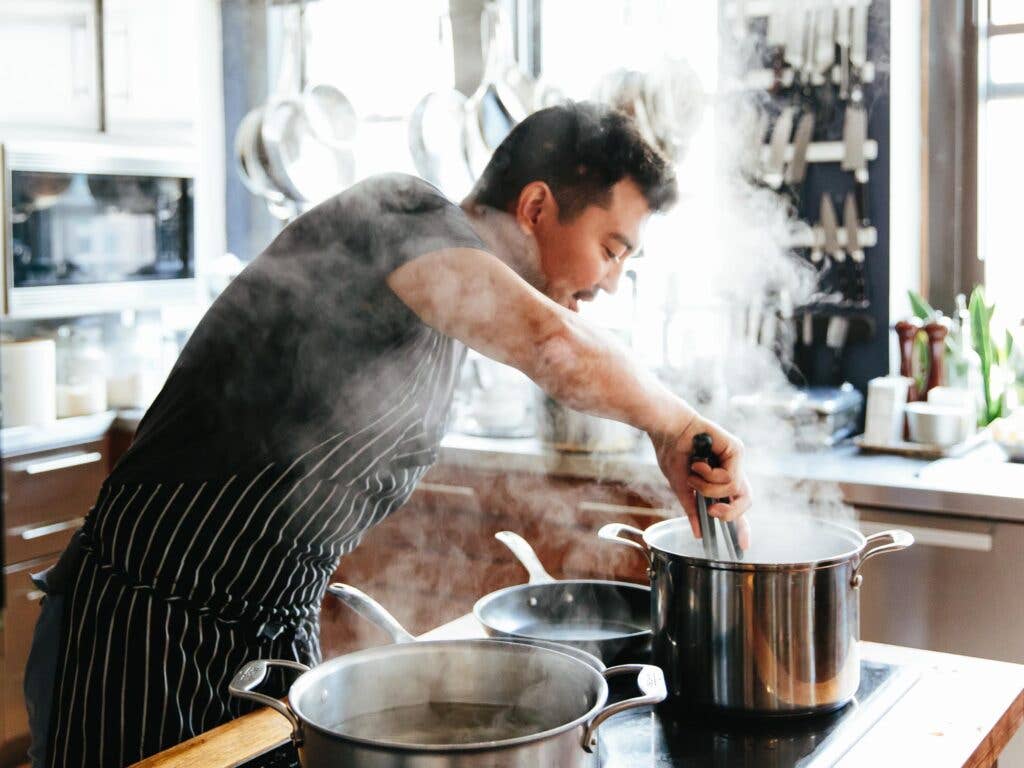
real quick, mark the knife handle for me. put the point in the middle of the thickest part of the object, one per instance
(861, 190)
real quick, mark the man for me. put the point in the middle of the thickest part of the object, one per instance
(309, 402)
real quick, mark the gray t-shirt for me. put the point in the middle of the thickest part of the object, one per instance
(309, 340)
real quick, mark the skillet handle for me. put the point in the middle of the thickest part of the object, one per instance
(526, 556)
(252, 674)
(613, 532)
(651, 682)
(878, 544)
(370, 609)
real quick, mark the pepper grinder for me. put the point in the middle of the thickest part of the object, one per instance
(937, 330)
(907, 331)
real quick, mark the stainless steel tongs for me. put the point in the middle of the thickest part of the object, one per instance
(721, 539)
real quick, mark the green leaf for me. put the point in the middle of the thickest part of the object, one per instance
(920, 306)
(981, 340)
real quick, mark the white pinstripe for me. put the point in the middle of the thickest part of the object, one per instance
(124, 678)
(106, 677)
(153, 532)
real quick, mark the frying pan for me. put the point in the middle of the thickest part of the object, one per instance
(610, 619)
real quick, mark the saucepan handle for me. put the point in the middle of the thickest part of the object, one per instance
(252, 674)
(878, 544)
(614, 532)
(370, 609)
(526, 556)
(651, 682)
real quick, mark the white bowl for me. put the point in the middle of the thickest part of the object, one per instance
(935, 424)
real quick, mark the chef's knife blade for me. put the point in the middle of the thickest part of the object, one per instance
(830, 226)
(825, 45)
(859, 289)
(855, 135)
(777, 148)
(843, 41)
(859, 36)
(797, 168)
(850, 224)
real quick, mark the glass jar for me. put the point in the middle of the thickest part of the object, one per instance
(81, 371)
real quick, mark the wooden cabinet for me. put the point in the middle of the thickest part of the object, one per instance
(49, 64)
(46, 497)
(433, 558)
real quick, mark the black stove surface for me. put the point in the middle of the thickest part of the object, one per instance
(663, 738)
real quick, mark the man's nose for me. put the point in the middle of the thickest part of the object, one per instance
(610, 283)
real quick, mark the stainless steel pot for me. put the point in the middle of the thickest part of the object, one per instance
(448, 704)
(775, 634)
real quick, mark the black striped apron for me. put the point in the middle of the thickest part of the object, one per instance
(181, 582)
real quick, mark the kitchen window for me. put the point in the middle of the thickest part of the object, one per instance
(1001, 153)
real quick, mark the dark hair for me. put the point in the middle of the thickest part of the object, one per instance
(580, 150)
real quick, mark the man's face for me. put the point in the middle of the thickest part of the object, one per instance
(587, 254)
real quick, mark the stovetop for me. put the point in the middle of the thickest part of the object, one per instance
(663, 738)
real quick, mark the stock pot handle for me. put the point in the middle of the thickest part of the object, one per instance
(613, 532)
(878, 544)
(251, 675)
(651, 682)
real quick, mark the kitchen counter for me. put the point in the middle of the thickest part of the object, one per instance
(961, 712)
(980, 484)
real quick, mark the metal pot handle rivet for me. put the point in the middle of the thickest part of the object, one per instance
(252, 674)
(878, 544)
(651, 682)
(614, 531)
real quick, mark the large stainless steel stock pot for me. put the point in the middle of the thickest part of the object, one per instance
(773, 634)
(448, 703)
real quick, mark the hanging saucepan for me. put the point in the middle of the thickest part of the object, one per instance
(610, 619)
(465, 703)
(436, 125)
(494, 108)
(775, 634)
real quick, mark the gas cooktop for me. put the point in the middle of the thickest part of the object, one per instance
(662, 738)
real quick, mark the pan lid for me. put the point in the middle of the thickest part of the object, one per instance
(776, 541)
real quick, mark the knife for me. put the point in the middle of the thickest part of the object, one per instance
(851, 224)
(777, 148)
(797, 168)
(825, 46)
(855, 134)
(843, 41)
(830, 225)
(859, 36)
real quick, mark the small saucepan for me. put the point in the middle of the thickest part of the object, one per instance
(610, 619)
(462, 703)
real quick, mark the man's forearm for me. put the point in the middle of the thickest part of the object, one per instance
(592, 372)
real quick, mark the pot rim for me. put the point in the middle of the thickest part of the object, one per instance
(483, 602)
(309, 678)
(730, 565)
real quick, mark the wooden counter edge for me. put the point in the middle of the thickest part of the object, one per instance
(251, 735)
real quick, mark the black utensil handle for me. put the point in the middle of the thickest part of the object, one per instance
(702, 451)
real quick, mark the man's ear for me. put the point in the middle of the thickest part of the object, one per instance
(535, 202)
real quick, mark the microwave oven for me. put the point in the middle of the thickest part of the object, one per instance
(92, 227)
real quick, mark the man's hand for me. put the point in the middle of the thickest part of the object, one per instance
(674, 446)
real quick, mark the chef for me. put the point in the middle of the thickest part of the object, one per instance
(312, 398)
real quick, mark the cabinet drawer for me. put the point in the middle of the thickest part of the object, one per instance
(47, 495)
(21, 612)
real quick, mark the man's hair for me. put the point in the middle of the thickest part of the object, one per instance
(580, 150)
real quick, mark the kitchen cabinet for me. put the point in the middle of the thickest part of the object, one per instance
(50, 64)
(151, 66)
(46, 496)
